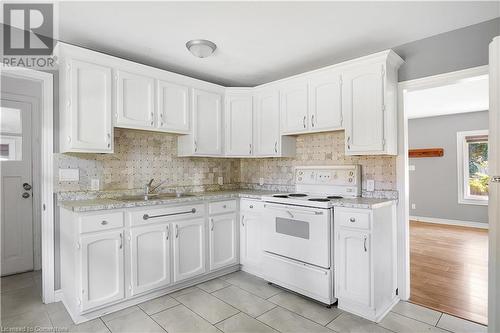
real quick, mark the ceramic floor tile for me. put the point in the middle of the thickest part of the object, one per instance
(209, 307)
(287, 321)
(94, 326)
(21, 301)
(252, 284)
(244, 301)
(349, 323)
(61, 318)
(183, 292)
(120, 313)
(401, 324)
(32, 319)
(306, 308)
(243, 323)
(158, 304)
(417, 312)
(135, 321)
(213, 285)
(459, 325)
(180, 319)
(15, 282)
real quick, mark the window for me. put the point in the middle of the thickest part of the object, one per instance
(473, 179)
(11, 135)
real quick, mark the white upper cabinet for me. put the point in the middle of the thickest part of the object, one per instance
(369, 104)
(149, 258)
(294, 106)
(135, 102)
(325, 102)
(85, 102)
(206, 139)
(173, 107)
(238, 120)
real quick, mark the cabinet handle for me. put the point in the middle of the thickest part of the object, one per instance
(364, 244)
(108, 139)
(304, 121)
(176, 231)
(243, 220)
(250, 149)
(352, 219)
(312, 120)
(168, 231)
(276, 147)
(147, 216)
(212, 224)
(349, 142)
(195, 146)
(104, 222)
(121, 241)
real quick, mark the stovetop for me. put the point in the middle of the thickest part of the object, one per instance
(304, 199)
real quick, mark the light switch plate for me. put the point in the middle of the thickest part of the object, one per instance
(220, 180)
(69, 175)
(411, 167)
(413, 206)
(370, 185)
(94, 185)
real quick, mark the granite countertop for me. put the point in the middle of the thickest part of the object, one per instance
(118, 203)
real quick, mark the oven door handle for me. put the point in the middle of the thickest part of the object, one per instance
(290, 210)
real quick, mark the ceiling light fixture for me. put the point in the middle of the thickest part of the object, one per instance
(201, 48)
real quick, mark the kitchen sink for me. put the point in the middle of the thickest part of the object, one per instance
(154, 196)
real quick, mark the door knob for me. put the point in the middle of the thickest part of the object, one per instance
(26, 195)
(27, 186)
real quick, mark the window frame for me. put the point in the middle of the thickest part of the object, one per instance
(463, 169)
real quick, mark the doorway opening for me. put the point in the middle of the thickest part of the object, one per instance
(446, 167)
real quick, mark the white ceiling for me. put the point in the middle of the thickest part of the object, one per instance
(465, 96)
(258, 42)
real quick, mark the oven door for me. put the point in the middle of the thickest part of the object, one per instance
(299, 233)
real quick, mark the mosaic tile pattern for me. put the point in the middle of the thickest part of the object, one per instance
(140, 156)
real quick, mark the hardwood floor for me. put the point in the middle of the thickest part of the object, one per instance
(449, 269)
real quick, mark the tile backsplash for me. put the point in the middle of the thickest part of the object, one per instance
(140, 156)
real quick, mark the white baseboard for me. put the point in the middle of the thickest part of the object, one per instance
(450, 222)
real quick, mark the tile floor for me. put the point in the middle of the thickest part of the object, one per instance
(238, 302)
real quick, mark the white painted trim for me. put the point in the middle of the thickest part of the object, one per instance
(462, 165)
(402, 176)
(460, 223)
(47, 170)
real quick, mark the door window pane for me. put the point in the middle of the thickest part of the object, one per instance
(10, 121)
(11, 148)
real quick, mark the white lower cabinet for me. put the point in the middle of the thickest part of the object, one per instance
(149, 258)
(189, 248)
(222, 240)
(251, 236)
(101, 267)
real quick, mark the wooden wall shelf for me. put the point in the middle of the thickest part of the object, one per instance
(429, 152)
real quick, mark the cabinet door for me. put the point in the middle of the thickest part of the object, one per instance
(267, 123)
(90, 127)
(250, 240)
(207, 123)
(325, 102)
(238, 122)
(223, 241)
(102, 269)
(149, 258)
(352, 260)
(363, 104)
(294, 107)
(189, 249)
(173, 107)
(134, 101)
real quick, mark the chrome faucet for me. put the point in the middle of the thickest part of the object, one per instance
(149, 189)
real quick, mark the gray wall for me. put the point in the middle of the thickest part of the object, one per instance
(447, 52)
(434, 183)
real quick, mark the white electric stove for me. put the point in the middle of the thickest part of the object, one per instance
(298, 229)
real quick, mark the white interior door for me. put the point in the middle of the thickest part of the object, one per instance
(15, 190)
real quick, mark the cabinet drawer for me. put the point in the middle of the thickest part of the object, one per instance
(99, 222)
(222, 207)
(251, 205)
(358, 219)
(165, 214)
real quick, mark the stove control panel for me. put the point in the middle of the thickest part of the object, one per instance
(342, 175)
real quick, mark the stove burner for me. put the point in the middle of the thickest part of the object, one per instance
(334, 197)
(297, 195)
(319, 199)
(280, 196)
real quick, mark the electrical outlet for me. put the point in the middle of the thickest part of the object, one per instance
(220, 180)
(261, 181)
(94, 185)
(370, 185)
(413, 206)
